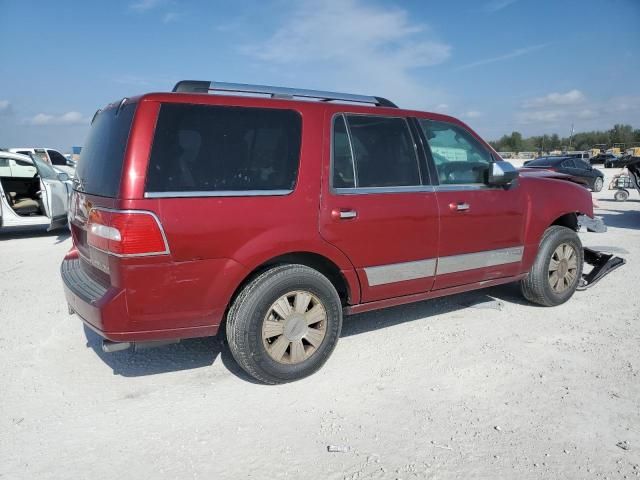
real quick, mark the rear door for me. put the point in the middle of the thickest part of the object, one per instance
(481, 227)
(378, 207)
(55, 195)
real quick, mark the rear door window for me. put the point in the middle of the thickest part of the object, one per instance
(209, 149)
(102, 158)
(373, 152)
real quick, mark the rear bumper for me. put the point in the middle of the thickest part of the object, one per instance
(104, 309)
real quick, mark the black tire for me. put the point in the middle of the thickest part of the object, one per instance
(536, 287)
(621, 195)
(598, 184)
(247, 315)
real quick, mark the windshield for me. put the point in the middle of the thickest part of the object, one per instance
(100, 166)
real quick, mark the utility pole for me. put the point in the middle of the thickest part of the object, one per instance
(571, 136)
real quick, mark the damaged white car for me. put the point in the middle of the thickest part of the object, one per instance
(32, 192)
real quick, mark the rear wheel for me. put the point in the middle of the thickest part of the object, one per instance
(557, 270)
(597, 185)
(284, 324)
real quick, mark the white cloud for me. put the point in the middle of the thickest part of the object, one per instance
(145, 5)
(572, 97)
(347, 44)
(171, 17)
(563, 109)
(69, 118)
(441, 107)
(497, 5)
(547, 116)
(471, 114)
(5, 107)
(507, 56)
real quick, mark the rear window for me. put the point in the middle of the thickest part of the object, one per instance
(100, 166)
(541, 162)
(208, 149)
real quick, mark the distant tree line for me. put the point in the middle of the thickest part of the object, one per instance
(580, 141)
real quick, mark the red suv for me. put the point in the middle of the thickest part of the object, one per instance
(275, 215)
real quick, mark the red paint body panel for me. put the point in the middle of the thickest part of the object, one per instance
(216, 242)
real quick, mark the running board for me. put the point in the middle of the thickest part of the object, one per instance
(603, 264)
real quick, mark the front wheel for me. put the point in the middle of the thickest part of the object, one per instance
(597, 185)
(284, 324)
(557, 270)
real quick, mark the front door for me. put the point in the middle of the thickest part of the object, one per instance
(55, 196)
(377, 207)
(481, 227)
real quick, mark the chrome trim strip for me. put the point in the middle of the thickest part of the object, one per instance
(219, 193)
(462, 187)
(368, 190)
(471, 261)
(400, 272)
(291, 92)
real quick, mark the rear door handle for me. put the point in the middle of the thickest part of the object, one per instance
(459, 207)
(343, 214)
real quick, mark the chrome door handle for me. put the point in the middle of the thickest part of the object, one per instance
(343, 214)
(459, 207)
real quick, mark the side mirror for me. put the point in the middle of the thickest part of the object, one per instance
(63, 177)
(70, 163)
(502, 173)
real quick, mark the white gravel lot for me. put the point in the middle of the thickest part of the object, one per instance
(436, 389)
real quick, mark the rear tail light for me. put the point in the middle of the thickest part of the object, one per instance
(126, 232)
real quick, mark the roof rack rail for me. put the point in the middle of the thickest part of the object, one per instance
(202, 86)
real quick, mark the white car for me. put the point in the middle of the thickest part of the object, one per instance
(51, 156)
(32, 192)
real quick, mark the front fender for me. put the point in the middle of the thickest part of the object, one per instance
(548, 200)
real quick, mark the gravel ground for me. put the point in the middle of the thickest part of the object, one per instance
(449, 388)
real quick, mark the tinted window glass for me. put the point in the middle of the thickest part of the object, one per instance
(384, 152)
(42, 155)
(102, 156)
(540, 162)
(458, 156)
(56, 158)
(212, 148)
(343, 174)
(45, 170)
(568, 163)
(582, 164)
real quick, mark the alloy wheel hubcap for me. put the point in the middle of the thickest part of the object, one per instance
(563, 268)
(294, 327)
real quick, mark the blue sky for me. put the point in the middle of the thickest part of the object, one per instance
(535, 66)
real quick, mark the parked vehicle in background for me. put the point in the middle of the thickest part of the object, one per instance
(51, 156)
(32, 192)
(619, 162)
(603, 158)
(276, 215)
(580, 155)
(579, 170)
